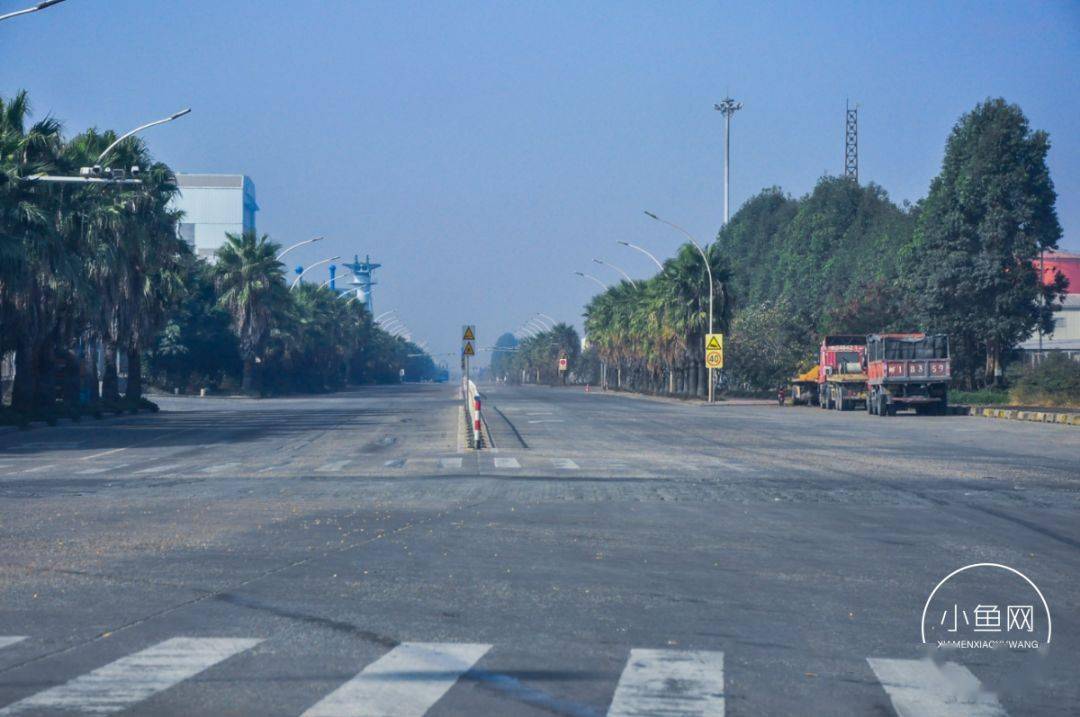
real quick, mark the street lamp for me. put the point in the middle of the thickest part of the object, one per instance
(96, 169)
(385, 313)
(318, 263)
(541, 318)
(536, 324)
(552, 320)
(340, 276)
(299, 244)
(708, 269)
(646, 252)
(612, 266)
(583, 275)
(40, 6)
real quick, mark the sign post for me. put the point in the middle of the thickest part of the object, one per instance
(714, 356)
(468, 347)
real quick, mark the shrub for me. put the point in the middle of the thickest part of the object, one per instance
(1054, 382)
(987, 396)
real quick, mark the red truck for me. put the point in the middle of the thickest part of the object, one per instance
(907, 370)
(842, 372)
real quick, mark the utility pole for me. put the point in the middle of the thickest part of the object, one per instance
(728, 107)
(851, 141)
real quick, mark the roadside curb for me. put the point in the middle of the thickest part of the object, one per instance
(86, 420)
(1020, 414)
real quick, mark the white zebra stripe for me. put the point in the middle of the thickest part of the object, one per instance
(507, 463)
(404, 682)
(674, 683)
(332, 467)
(920, 688)
(564, 464)
(6, 640)
(450, 463)
(132, 679)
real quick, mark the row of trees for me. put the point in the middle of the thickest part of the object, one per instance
(89, 269)
(846, 259)
(535, 359)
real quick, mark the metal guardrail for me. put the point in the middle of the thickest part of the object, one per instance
(472, 398)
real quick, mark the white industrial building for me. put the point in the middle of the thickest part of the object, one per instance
(214, 205)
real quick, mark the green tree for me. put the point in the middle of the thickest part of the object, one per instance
(253, 290)
(972, 268)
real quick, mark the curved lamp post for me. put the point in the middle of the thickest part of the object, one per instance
(708, 269)
(552, 320)
(646, 252)
(40, 6)
(612, 266)
(542, 319)
(140, 128)
(339, 276)
(298, 244)
(318, 263)
(583, 275)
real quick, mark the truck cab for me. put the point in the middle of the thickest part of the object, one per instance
(841, 372)
(909, 370)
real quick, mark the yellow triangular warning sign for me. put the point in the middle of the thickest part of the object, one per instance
(713, 344)
(468, 350)
(469, 336)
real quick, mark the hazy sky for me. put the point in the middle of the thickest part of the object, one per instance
(484, 151)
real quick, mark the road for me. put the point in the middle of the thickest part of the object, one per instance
(344, 554)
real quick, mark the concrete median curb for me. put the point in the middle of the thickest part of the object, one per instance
(1065, 418)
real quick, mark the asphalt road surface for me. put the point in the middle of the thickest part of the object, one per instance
(612, 555)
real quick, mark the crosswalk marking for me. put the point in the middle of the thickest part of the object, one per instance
(6, 640)
(921, 688)
(220, 468)
(505, 462)
(406, 681)
(132, 679)
(395, 463)
(101, 469)
(564, 464)
(450, 462)
(158, 469)
(332, 467)
(676, 683)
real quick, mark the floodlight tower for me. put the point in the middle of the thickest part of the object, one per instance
(851, 141)
(728, 107)
(362, 283)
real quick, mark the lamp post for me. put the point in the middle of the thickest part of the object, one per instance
(298, 244)
(40, 6)
(542, 319)
(327, 282)
(385, 313)
(708, 269)
(318, 263)
(583, 275)
(140, 128)
(612, 266)
(646, 252)
(549, 318)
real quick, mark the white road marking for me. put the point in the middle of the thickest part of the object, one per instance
(407, 681)
(158, 469)
(548, 420)
(102, 469)
(105, 453)
(450, 462)
(729, 465)
(921, 688)
(219, 468)
(677, 683)
(38, 469)
(564, 464)
(507, 463)
(395, 463)
(332, 467)
(132, 679)
(6, 640)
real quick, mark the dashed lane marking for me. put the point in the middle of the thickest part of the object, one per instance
(132, 679)
(158, 469)
(677, 683)
(395, 463)
(220, 468)
(564, 464)
(450, 462)
(920, 688)
(332, 467)
(506, 462)
(38, 469)
(6, 640)
(407, 681)
(101, 469)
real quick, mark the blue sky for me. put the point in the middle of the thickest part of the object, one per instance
(484, 151)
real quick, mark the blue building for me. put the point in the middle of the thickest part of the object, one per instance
(213, 205)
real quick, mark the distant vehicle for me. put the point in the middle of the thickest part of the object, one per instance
(841, 382)
(442, 376)
(909, 371)
(804, 388)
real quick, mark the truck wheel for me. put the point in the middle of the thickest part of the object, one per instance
(891, 409)
(840, 403)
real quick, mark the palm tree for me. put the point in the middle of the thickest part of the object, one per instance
(252, 287)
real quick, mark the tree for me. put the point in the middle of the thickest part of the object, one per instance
(253, 290)
(972, 267)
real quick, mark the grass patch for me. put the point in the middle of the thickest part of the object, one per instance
(984, 397)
